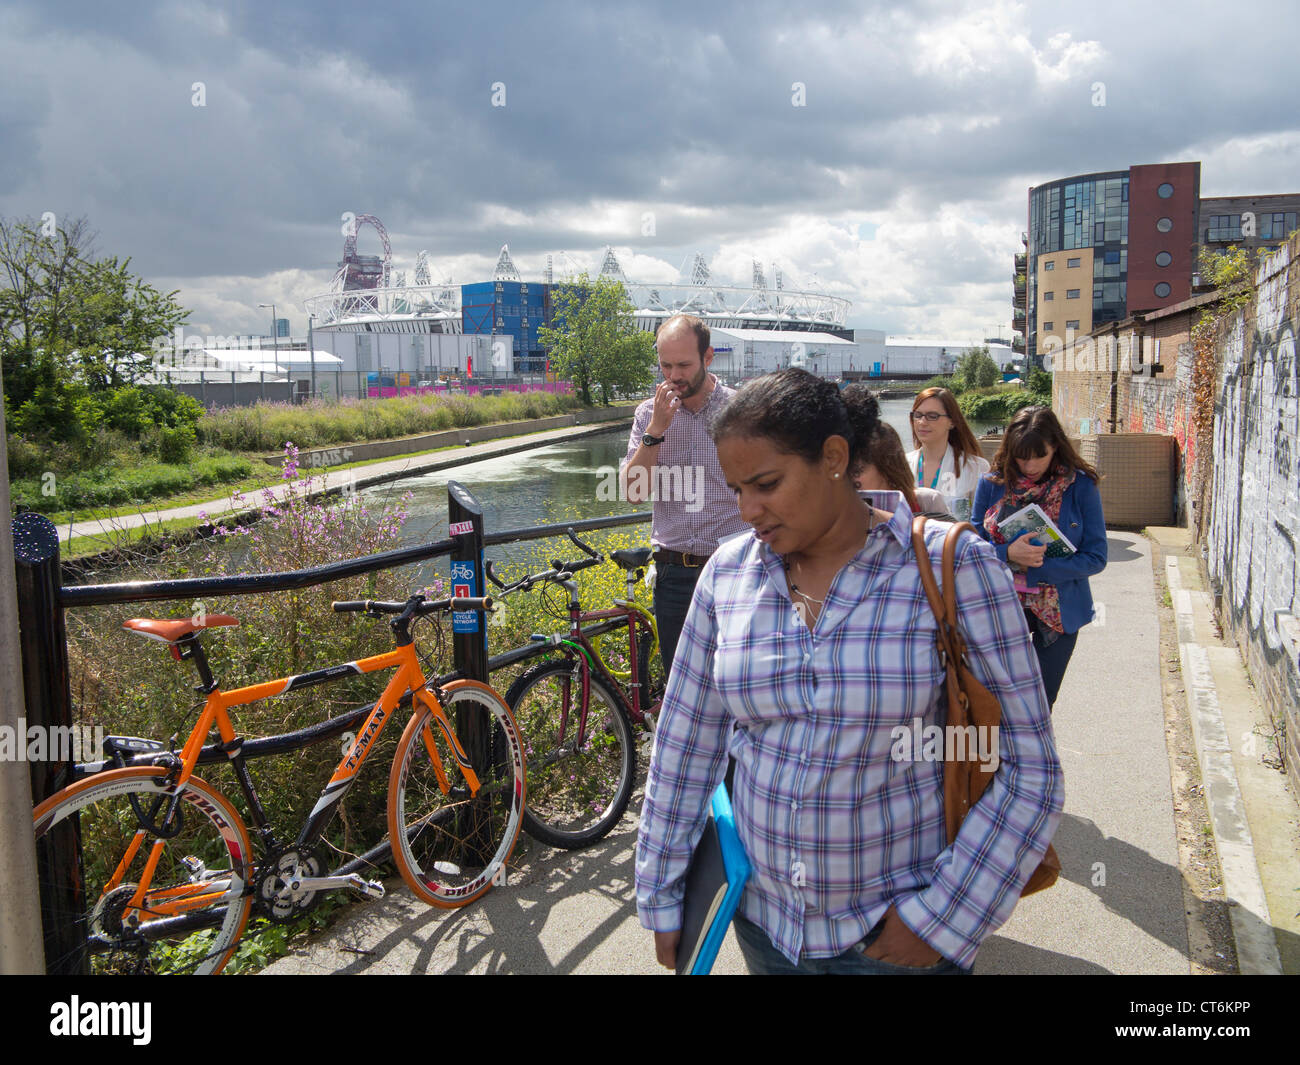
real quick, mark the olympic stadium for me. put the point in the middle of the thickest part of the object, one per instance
(374, 316)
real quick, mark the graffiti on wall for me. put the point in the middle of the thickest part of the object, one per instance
(1165, 406)
(1255, 518)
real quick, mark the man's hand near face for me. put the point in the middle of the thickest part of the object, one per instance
(667, 402)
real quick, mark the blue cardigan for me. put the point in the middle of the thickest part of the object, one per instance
(1082, 522)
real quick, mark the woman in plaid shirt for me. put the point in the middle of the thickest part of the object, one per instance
(809, 655)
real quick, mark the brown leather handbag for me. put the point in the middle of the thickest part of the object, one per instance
(969, 702)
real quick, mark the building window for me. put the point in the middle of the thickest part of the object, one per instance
(1277, 225)
(1050, 264)
(1049, 296)
(1224, 227)
(1164, 225)
(1072, 325)
(1048, 326)
(1071, 263)
(1163, 258)
(1071, 293)
(1165, 190)
(1162, 290)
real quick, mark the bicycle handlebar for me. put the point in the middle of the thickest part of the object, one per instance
(574, 537)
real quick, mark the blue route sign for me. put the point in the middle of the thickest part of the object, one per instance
(464, 582)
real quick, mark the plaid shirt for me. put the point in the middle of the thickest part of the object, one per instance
(675, 526)
(835, 827)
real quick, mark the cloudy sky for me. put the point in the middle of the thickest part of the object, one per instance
(879, 152)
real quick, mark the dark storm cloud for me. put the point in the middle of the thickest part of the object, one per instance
(314, 109)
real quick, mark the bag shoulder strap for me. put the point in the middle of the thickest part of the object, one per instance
(923, 564)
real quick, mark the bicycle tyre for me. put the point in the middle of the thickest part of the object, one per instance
(212, 832)
(574, 797)
(439, 837)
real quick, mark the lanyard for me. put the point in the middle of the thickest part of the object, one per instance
(920, 458)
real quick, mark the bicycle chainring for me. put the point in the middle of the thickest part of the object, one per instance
(278, 899)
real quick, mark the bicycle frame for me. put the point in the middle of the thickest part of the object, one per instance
(577, 644)
(408, 678)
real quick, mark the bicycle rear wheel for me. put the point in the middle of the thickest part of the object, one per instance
(577, 791)
(451, 841)
(197, 902)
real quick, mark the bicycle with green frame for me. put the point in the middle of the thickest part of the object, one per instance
(576, 712)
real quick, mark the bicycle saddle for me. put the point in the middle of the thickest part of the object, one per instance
(170, 631)
(633, 559)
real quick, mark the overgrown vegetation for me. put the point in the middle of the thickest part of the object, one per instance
(266, 427)
(131, 686)
(1232, 273)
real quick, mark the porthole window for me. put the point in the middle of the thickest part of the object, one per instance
(1164, 225)
(1162, 290)
(1165, 190)
(1163, 258)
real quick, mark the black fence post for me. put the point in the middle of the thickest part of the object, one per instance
(44, 646)
(469, 630)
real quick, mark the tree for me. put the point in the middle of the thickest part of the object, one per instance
(71, 326)
(976, 369)
(594, 340)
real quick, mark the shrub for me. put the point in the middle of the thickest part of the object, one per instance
(174, 444)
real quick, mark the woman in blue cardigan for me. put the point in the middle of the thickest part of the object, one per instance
(1037, 464)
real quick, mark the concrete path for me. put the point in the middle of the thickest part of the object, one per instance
(357, 477)
(1118, 907)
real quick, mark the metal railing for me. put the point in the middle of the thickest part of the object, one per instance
(42, 600)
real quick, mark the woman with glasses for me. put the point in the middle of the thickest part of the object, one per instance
(885, 468)
(946, 458)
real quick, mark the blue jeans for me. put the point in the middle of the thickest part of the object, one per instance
(674, 587)
(764, 959)
(1052, 658)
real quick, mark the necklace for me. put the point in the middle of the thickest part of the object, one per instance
(794, 588)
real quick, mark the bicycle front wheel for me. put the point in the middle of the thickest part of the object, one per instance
(193, 908)
(453, 826)
(580, 776)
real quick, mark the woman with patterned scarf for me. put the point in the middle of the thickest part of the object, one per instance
(1037, 464)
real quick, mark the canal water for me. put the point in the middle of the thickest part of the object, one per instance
(563, 482)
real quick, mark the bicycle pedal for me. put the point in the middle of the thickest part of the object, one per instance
(371, 889)
(198, 871)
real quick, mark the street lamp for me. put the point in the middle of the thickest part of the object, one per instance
(311, 346)
(275, 333)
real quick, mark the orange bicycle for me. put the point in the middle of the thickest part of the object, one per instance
(169, 869)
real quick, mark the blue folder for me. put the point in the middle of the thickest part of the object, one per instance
(715, 880)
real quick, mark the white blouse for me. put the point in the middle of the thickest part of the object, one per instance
(958, 490)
